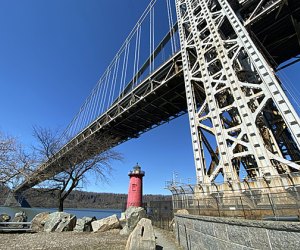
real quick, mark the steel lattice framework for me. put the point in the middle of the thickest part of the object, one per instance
(244, 108)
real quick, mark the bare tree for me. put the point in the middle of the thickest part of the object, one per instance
(93, 157)
(15, 164)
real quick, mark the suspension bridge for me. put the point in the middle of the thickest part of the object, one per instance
(215, 60)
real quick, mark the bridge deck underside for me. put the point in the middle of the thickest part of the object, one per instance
(278, 30)
(157, 100)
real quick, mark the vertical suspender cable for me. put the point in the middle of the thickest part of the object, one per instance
(153, 38)
(135, 56)
(87, 109)
(123, 70)
(150, 42)
(95, 114)
(113, 85)
(76, 123)
(90, 111)
(81, 125)
(170, 26)
(138, 54)
(172, 23)
(126, 66)
(116, 78)
(102, 87)
(107, 104)
(104, 93)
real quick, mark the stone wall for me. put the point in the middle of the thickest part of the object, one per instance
(203, 232)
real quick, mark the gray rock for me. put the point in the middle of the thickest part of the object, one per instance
(122, 222)
(4, 218)
(59, 222)
(38, 222)
(142, 237)
(133, 215)
(111, 222)
(84, 224)
(20, 217)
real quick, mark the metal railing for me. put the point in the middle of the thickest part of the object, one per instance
(15, 226)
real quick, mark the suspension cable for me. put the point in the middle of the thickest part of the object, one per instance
(170, 25)
(138, 54)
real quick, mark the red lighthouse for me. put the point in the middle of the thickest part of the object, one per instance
(135, 191)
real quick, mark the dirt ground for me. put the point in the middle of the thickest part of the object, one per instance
(78, 241)
(165, 240)
(66, 240)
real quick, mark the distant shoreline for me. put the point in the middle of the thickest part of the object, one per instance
(79, 199)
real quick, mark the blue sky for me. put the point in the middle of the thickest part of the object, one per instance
(51, 55)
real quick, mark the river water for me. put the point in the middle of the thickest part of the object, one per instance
(79, 212)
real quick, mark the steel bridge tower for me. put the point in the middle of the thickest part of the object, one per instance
(234, 95)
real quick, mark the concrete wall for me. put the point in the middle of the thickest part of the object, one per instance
(203, 232)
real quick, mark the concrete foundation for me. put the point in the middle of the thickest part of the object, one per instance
(201, 232)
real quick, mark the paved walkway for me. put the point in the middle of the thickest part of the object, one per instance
(165, 240)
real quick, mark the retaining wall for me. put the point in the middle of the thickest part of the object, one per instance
(203, 232)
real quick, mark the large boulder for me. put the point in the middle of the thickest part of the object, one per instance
(111, 222)
(142, 237)
(84, 224)
(4, 218)
(133, 215)
(38, 222)
(59, 222)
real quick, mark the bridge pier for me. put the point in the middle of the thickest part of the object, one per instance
(16, 200)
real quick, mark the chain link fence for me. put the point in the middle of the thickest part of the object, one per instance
(254, 204)
(161, 214)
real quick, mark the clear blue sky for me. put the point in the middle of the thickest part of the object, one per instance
(51, 55)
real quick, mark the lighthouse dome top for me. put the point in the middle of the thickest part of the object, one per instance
(136, 171)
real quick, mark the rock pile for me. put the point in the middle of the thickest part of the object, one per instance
(61, 221)
(133, 223)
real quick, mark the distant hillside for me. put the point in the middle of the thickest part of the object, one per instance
(80, 199)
